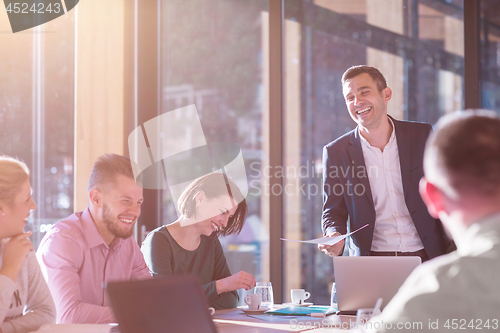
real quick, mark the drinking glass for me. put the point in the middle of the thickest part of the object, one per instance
(333, 297)
(362, 316)
(266, 290)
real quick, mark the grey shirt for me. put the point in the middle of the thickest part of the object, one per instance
(457, 291)
(26, 304)
(165, 257)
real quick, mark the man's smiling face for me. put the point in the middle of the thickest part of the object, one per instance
(365, 103)
(121, 206)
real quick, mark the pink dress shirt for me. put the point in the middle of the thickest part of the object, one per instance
(76, 263)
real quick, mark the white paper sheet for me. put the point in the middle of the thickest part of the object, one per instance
(326, 240)
(75, 328)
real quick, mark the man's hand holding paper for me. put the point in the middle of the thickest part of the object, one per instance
(335, 249)
(332, 244)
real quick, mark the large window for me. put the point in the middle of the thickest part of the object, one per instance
(212, 55)
(37, 113)
(490, 54)
(417, 45)
(215, 54)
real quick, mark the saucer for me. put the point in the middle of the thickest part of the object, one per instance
(254, 312)
(294, 304)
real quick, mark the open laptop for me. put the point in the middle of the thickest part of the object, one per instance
(360, 281)
(172, 304)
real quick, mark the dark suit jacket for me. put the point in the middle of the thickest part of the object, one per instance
(347, 192)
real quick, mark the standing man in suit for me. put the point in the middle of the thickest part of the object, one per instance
(371, 175)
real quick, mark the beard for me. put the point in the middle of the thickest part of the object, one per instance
(112, 223)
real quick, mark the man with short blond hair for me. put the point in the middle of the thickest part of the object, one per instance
(84, 251)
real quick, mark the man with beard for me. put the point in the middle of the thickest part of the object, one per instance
(84, 251)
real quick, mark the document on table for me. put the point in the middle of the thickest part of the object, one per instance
(326, 240)
(77, 328)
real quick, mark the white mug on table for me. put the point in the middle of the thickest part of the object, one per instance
(299, 296)
(253, 301)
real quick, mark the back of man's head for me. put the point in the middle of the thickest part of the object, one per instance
(107, 168)
(462, 156)
(374, 73)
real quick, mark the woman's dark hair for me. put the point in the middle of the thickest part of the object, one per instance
(214, 185)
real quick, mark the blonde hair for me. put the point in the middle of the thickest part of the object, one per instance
(13, 173)
(107, 168)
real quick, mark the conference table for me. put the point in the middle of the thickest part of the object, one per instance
(236, 321)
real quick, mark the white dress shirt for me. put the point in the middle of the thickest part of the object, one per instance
(394, 229)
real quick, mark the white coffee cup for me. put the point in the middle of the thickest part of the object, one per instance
(253, 301)
(211, 310)
(299, 296)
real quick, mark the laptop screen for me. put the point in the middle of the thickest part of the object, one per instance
(360, 281)
(173, 304)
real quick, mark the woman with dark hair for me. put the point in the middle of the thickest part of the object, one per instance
(210, 206)
(25, 300)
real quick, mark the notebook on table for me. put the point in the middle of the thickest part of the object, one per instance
(172, 304)
(360, 281)
(301, 310)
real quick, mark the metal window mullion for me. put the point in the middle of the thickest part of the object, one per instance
(38, 126)
(276, 18)
(472, 59)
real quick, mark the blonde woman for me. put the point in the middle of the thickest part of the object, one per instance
(25, 300)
